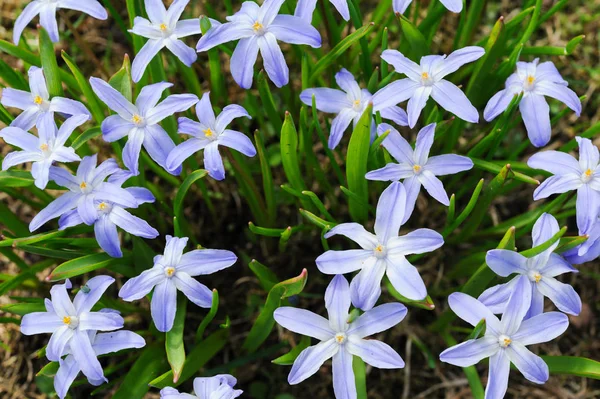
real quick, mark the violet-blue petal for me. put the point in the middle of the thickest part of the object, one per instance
(405, 278)
(62, 204)
(375, 353)
(517, 306)
(497, 104)
(471, 352)
(310, 360)
(213, 161)
(536, 116)
(326, 99)
(557, 184)
(366, 285)
(416, 242)
(412, 186)
(58, 342)
(557, 265)
(402, 64)
(378, 319)
(562, 295)
(29, 12)
(273, 59)
(229, 113)
(356, 232)
(304, 322)
(472, 311)
(294, 30)
(555, 162)
(68, 107)
(195, 291)
(390, 212)
(100, 321)
(497, 384)
(90, 7)
(305, 9)
(395, 114)
(504, 262)
(40, 323)
(116, 341)
(84, 354)
(344, 385)
(396, 145)
(170, 105)
(460, 57)
(224, 33)
(140, 286)
(237, 141)
(243, 60)
(48, 21)
(339, 125)
(391, 172)
(416, 103)
(424, 143)
(86, 299)
(588, 154)
(17, 99)
(186, 54)
(561, 93)
(150, 96)
(496, 297)
(66, 374)
(108, 236)
(434, 186)
(144, 57)
(163, 305)
(205, 261)
(340, 262)
(342, 7)
(587, 206)
(542, 328)
(113, 99)
(132, 224)
(530, 365)
(448, 164)
(18, 137)
(131, 151)
(159, 144)
(183, 151)
(337, 302)
(453, 100)
(394, 93)
(188, 27)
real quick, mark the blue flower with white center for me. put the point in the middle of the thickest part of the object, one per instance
(140, 122)
(427, 80)
(44, 150)
(306, 8)
(416, 167)
(164, 29)
(341, 340)
(454, 6)
(37, 104)
(110, 215)
(173, 271)
(534, 81)
(102, 344)
(218, 387)
(540, 271)
(259, 28)
(70, 324)
(208, 134)
(349, 105)
(590, 249)
(47, 12)
(569, 174)
(381, 253)
(85, 188)
(505, 340)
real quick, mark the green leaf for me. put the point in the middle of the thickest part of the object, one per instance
(185, 186)
(267, 177)
(196, 359)
(86, 264)
(121, 81)
(356, 165)
(289, 153)
(264, 323)
(360, 377)
(530, 253)
(23, 308)
(92, 100)
(495, 168)
(15, 178)
(573, 365)
(86, 136)
(288, 358)
(209, 316)
(417, 42)
(174, 339)
(266, 277)
(314, 219)
(150, 363)
(49, 64)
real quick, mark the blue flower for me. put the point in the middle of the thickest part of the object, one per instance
(505, 340)
(209, 134)
(164, 29)
(259, 28)
(71, 323)
(381, 253)
(306, 8)
(140, 122)
(47, 11)
(425, 80)
(540, 271)
(110, 215)
(86, 187)
(349, 105)
(416, 167)
(44, 150)
(534, 81)
(590, 249)
(220, 386)
(174, 271)
(569, 174)
(37, 104)
(455, 6)
(341, 340)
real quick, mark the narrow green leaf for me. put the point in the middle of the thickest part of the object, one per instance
(185, 186)
(417, 42)
(15, 178)
(149, 364)
(267, 177)
(321, 223)
(174, 339)
(573, 365)
(530, 253)
(288, 358)
(49, 64)
(289, 153)
(121, 81)
(92, 100)
(356, 165)
(86, 264)
(266, 277)
(23, 308)
(360, 377)
(86, 136)
(209, 316)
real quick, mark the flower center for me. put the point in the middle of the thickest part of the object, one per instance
(356, 105)
(38, 100)
(587, 176)
(535, 276)
(340, 338)
(169, 271)
(258, 28)
(504, 341)
(163, 27)
(417, 169)
(209, 134)
(103, 206)
(529, 81)
(83, 185)
(137, 119)
(71, 321)
(44, 147)
(380, 251)
(426, 79)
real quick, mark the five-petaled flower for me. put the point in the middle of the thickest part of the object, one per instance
(382, 253)
(174, 271)
(425, 80)
(455, 6)
(85, 188)
(306, 8)
(140, 122)
(44, 150)
(47, 11)
(164, 29)
(208, 134)
(534, 81)
(259, 28)
(341, 340)
(540, 271)
(37, 103)
(569, 174)
(505, 340)
(110, 215)
(71, 323)
(218, 387)
(416, 167)
(349, 105)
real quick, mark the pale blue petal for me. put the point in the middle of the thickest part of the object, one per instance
(186, 54)
(187, 27)
(174, 250)
(228, 114)
(588, 154)
(472, 311)
(310, 360)
(562, 295)
(183, 151)
(205, 261)
(115, 128)
(390, 212)
(498, 104)
(556, 266)
(196, 292)
(459, 57)
(60, 300)
(268, 11)
(29, 12)
(48, 21)
(156, 11)
(342, 7)
(557, 184)
(84, 354)
(366, 285)
(40, 323)
(504, 262)
(164, 305)
(132, 149)
(86, 299)
(304, 322)
(140, 286)
(412, 186)
(453, 100)
(517, 306)
(27, 119)
(396, 145)
(113, 99)
(90, 7)
(416, 242)
(344, 386)
(61, 205)
(416, 103)
(530, 365)
(339, 125)
(346, 81)
(402, 64)
(496, 297)
(555, 162)
(400, 5)
(117, 341)
(17, 99)
(305, 9)
(471, 352)
(542, 328)
(395, 114)
(145, 28)
(68, 107)
(326, 99)
(391, 172)
(394, 93)
(536, 116)
(243, 60)
(213, 161)
(159, 144)
(58, 342)
(337, 302)
(132, 224)
(434, 186)
(356, 232)
(224, 33)
(100, 321)
(587, 206)
(378, 319)
(561, 93)
(107, 236)
(498, 376)
(294, 30)
(238, 141)
(273, 59)
(18, 137)
(424, 143)
(448, 164)
(144, 57)
(405, 278)
(150, 96)
(340, 262)
(169, 106)
(66, 374)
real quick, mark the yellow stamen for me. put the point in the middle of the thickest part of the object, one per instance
(208, 133)
(537, 277)
(340, 338)
(356, 103)
(170, 271)
(425, 75)
(530, 79)
(44, 147)
(257, 26)
(67, 320)
(136, 119)
(38, 100)
(379, 248)
(83, 185)
(588, 172)
(417, 168)
(507, 341)
(102, 206)
(163, 27)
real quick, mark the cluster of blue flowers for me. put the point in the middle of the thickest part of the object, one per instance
(96, 197)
